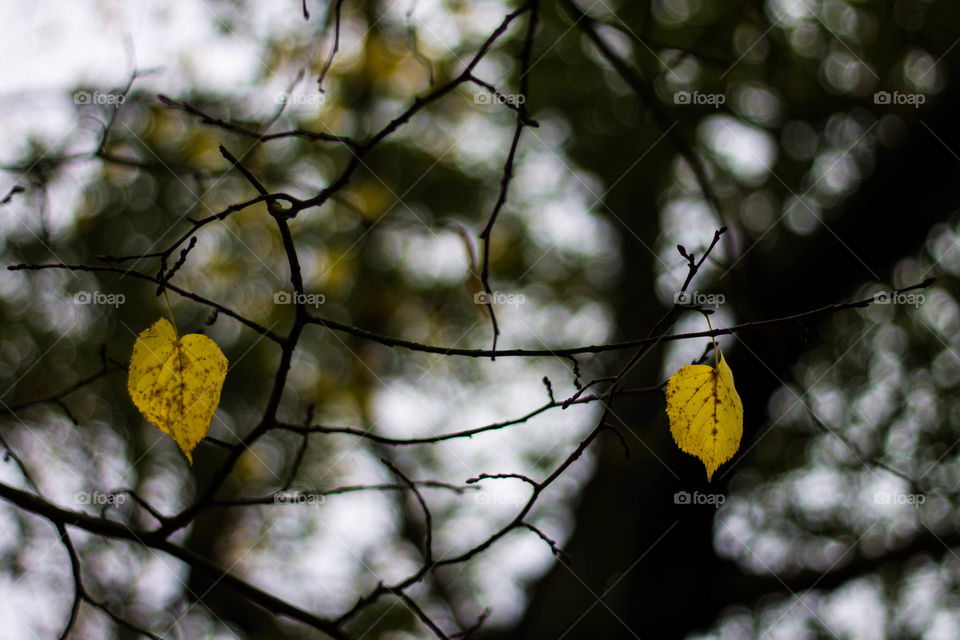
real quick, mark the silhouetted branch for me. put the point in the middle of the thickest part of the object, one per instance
(283, 496)
(427, 517)
(504, 476)
(63, 393)
(554, 549)
(142, 276)
(283, 208)
(508, 169)
(14, 190)
(390, 341)
(259, 136)
(77, 580)
(645, 92)
(337, 7)
(466, 633)
(121, 531)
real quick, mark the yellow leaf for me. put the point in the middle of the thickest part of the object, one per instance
(706, 414)
(176, 382)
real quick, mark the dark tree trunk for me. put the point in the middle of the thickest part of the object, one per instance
(644, 567)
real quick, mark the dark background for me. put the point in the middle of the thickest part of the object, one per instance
(878, 185)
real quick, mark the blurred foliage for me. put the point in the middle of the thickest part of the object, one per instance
(601, 198)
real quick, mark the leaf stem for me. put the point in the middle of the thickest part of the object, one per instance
(716, 357)
(173, 320)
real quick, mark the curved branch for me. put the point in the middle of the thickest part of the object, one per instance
(142, 276)
(411, 345)
(120, 531)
